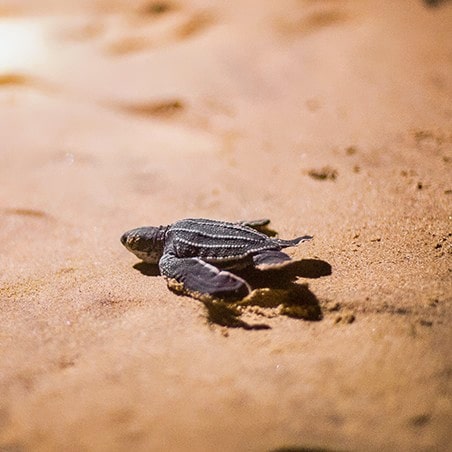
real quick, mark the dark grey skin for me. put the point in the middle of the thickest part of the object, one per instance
(195, 254)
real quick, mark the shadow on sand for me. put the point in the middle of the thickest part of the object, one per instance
(275, 292)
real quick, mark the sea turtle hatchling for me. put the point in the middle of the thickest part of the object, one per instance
(194, 255)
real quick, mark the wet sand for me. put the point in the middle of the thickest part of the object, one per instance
(331, 118)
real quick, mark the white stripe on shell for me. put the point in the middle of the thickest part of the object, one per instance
(224, 224)
(206, 245)
(215, 236)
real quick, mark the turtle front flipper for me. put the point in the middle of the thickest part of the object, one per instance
(270, 258)
(200, 279)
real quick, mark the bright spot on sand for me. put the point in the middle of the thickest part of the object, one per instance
(22, 45)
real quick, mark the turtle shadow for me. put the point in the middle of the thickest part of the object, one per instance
(147, 269)
(296, 301)
(278, 277)
(275, 292)
(278, 289)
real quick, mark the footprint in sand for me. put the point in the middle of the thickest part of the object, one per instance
(132, 30)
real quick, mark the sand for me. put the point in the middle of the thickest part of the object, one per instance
(331, 118)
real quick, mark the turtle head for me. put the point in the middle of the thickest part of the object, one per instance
(146, 243)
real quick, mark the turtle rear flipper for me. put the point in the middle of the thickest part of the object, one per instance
(270, 258)
(255, 224)
(198, 278)
(259, 226)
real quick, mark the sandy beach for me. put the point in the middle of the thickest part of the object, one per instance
(331, 118)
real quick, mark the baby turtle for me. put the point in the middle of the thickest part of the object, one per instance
(195, 254)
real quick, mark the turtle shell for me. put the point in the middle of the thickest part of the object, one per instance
(216, 241)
